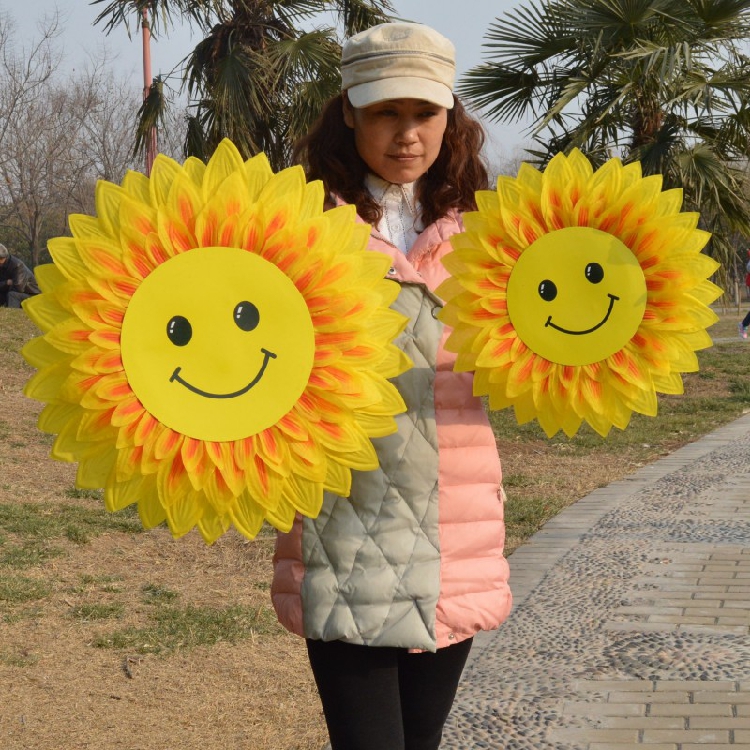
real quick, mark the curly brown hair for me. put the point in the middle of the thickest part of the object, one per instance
(328, 154)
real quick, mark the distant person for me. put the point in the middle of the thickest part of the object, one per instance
(743, 326)
(17, 280)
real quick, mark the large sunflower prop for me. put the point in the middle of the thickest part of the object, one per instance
(216, 347)
(578, 294)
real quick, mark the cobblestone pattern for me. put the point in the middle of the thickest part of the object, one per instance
(632, 618)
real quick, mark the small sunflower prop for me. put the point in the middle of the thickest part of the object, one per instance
(578, 294)
(215, 346)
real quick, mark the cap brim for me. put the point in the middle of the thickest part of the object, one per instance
(366, 94)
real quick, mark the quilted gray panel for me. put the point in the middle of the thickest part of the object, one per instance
(373, 560)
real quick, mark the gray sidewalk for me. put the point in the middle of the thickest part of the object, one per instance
(631, 623)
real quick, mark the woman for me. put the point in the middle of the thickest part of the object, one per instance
(390, 585)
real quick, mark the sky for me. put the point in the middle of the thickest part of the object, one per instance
(464, 23)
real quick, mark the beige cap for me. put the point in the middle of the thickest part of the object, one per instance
(398, 61)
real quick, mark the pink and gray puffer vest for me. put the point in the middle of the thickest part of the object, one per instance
(414, 557)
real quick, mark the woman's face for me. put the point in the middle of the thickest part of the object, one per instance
(398, 139)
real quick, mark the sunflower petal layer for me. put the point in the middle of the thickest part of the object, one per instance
(94, 407)
(619, 204)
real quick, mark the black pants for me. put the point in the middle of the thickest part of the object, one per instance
(14, 299)
(11, 298)
(385, 698)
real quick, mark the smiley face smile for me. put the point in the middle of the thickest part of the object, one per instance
(612, 299)
(266, 357)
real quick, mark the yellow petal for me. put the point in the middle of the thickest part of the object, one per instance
(281, 517)
(40, 353)
(150, 509)
(212, 525)
(45, 311)
(224, 162)
(55, 416)
(136, 184)
(108, 197)
(338, 480)
(184, 513)
(95, 467)
(247, 516)
(118, 495)
(45, 385)
(163, 174)
(257, 173)
(49, 276)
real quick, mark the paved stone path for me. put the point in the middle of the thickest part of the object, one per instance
(631, 623)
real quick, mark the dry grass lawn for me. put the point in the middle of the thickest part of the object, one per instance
(60, 692)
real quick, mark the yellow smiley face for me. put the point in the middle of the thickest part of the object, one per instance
(576, 296)
(217, 343)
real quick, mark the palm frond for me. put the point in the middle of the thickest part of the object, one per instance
(530, 36)
(505, 94)
(358, 15)
(152, 114)
(662, 82)
(723, 19)
(309, 56)
(195, 139)
(161, 14)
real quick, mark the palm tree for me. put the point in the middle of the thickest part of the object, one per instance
(257, 77)
(162, 13)
(663, 82)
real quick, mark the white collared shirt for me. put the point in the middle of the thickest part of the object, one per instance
(401, 222)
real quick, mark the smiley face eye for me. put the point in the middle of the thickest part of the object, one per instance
(246, 316)
(594, 273)
(179, 330)
(547, 290)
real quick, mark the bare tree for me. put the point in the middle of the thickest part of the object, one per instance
(102, 150)
(24, 72)
(39, 165)
(59, 137)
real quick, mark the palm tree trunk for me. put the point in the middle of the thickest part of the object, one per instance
(151, 145)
